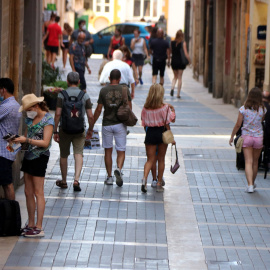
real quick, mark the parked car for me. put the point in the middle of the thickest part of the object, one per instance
(103, 37)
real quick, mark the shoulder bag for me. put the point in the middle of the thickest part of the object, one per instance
(124, 114)
(184, 59)
(176, 166)
(167, 135)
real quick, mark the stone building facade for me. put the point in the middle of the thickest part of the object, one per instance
(225, 43)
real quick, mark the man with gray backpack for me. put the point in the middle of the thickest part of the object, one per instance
(72, 104)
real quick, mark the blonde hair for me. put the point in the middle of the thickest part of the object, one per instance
(155, 97)
(179, 37)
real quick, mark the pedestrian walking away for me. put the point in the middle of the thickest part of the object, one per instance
(111, 97)
(9, 123)
(153, 35)
(54, 34)
(116, 42)
(139, 52)
(78, 60)
(177, 62)
(126, 73)
(67, 31)
(130, 61)
(161, 51)
(155, 114)
(88, 41)
(45, 41)
(38, 138)
(251, 115)
(72, 104)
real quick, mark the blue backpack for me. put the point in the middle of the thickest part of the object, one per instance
(72, 116)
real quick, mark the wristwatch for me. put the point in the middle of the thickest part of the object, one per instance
(55, 132)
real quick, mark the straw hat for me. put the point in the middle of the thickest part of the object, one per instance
(29, 101)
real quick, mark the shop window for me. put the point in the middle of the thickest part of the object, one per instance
(154, 8)
(88, 4)
(137, 8)
(103, 6)
(146, 8)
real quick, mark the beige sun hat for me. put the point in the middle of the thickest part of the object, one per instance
(29, 101)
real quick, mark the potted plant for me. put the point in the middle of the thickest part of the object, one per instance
(50, 95)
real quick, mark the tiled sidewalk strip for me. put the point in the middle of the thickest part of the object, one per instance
(234, 225)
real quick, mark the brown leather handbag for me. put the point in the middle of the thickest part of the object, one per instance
(124, 114)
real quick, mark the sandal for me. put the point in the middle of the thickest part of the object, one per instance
(25, 229)
(61, 184)
(76, 185)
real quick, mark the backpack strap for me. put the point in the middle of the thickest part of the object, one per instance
(81, 95)
(65, 94)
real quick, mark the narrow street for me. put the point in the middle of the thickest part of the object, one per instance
(204, 219)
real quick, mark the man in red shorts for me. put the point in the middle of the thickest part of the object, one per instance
(54, 34)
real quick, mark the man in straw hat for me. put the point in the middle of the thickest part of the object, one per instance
(9, 123)
(65, 139)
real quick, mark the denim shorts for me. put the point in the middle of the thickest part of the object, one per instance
(254, 142)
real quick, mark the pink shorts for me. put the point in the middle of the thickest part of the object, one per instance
(254, 142)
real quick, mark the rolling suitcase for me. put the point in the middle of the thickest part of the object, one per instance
(10, 218)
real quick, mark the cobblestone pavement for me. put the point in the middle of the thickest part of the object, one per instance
(203, 220)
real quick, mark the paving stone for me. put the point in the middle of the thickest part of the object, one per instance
(226, 215)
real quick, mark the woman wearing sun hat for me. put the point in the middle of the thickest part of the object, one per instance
(39, 132)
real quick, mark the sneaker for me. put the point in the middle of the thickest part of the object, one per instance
(154, 183)
(144, 186)
(35, 232)
(250, 189)
(25, 229)
(109, 180)
(159, 188)
(119, 179)
(141, 82)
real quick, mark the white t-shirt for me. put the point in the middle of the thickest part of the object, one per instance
(124, 68)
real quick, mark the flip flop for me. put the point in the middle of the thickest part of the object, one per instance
(61, 184)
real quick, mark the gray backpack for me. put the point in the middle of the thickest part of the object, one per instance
(72, 116)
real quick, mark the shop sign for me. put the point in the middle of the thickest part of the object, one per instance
(261, 32)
